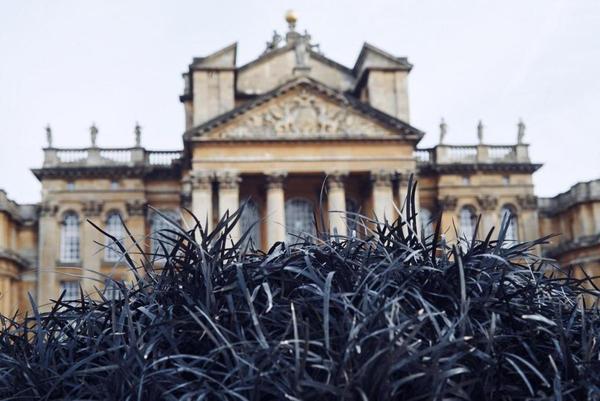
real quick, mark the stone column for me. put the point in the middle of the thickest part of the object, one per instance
(136, 222)
(489, 217)
(383, 197)
(7, 306)
(202, 198)
(229, 197)
(447, 205)
(528, 217)
(275, 208)
(336, 198)
(90, 252)
(48, 243)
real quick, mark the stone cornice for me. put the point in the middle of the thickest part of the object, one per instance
(581, 192)
(14, 257)
(67, 172)
(459, 168)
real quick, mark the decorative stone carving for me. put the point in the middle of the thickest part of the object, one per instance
(92, 208)
(136, 207)
(275, 179)
(448, 202)
(527, 202)
(382, 178)
(303, 116)
(202, 180)
(228, 180)
(335, 179)
(487, 202)
(47, 209)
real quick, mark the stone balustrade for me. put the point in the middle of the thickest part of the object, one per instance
(578, 193)
(94, 156)
(471, 154)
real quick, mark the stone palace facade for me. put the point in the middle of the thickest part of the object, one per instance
(287, 132)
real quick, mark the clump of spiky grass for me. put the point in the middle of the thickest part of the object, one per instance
(389, 317)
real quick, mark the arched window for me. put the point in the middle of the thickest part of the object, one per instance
(69, 238)
(298, 218)
(425, 223)
(250, 221)
(158, 226)
(112, 291)
(352, 219)
(115, 228)
(512, 232)
(468, 220)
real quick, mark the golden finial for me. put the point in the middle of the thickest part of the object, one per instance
(291, 18)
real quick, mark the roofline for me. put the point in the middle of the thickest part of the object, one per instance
(362, 107)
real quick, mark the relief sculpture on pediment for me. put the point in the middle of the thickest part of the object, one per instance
(303, 116)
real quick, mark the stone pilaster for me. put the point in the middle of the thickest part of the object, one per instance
(488, 205)
(275, 208)
(48, 242)
(382, 193)
(91, 254)
(528, 217)
(229, 197)
(202, 198)
(336, 202)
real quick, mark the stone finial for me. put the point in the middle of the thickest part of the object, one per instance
(49, 135)
(94, 134)
(274, 42)
(291, 18)
(480, 127)
(443, 131)
(520, 132)
(138, 135)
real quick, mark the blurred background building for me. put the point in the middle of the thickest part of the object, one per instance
(289, 133)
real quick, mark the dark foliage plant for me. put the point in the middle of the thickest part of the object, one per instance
(388, 316)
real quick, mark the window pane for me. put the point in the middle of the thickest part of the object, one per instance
(425, 222)
(468, 219)
(352, 208)
(71, 290)
(250, 221)
(114, 228)
(298, 218)
(112, 290)
(69, 238)
(158, 225)
(512, 232)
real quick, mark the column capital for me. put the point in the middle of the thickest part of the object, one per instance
(527, 202)
(448, 202)
(275, 179)
(487, 202)
(92, 208)
(228, 179)
(336, 179)
(136, 207)
(48, 209)
(382, 178)
(401, 175)
(201, 179)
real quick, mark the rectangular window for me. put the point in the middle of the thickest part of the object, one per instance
(71, 290)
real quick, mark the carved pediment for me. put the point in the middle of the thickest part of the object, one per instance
(301, 115)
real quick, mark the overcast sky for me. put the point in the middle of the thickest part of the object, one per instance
(71, 63)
